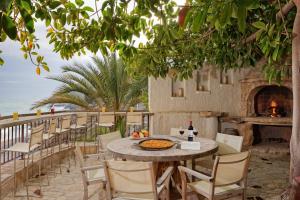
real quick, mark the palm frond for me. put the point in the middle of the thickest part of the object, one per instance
(101, 82)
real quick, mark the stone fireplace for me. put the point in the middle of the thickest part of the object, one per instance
(266, 111)
(273, 101)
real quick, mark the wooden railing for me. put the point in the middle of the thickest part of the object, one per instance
(14, 131)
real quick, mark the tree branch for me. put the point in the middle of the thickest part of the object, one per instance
(279, 16)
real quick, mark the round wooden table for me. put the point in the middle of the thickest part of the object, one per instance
(126, 148)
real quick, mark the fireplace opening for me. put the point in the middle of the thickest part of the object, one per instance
(273, 101)
(264, 134)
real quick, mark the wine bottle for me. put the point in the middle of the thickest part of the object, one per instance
(190, 129)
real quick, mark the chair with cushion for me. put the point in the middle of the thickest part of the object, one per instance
(106, 120)
(135, 180)
(48, 138)
(91, 175)
(63, 134)
(134, 119)
(103, 140)
(80, 125)
(28, 149)
(227, 144)
(228, 178)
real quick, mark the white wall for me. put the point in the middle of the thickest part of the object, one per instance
(177, 111)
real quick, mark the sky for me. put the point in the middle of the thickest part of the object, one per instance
(20, 86)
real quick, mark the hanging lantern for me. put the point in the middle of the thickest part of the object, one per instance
(182, 13)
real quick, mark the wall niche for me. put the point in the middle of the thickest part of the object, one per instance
(178, 88)
(226, 77)
(202, 80)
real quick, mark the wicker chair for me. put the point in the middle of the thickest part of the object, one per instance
(135, 180)
(228, 178)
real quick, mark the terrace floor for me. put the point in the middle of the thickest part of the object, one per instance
(267, 179)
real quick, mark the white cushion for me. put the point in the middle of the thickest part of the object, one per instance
(105, 124)
(74, 126)
(22, 147)
(47, 136)
(95, 174)
(225, 149)
(61, 130)
(204, 186)
(148, 196)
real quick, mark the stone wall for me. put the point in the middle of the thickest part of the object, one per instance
(178, 111)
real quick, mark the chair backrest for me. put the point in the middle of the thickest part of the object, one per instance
(66, 122)
(80, 159)
(81, 119)
(107, 117)
(52, 126)
(138, 175)
(175, 132)
(231, 169)
(79, 156)
(107, 138)
(134, 117)
(229, 144)
(36, 136)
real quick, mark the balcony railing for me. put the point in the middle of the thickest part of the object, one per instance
(14, 131)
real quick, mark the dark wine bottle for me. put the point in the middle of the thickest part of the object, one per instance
(190, 134)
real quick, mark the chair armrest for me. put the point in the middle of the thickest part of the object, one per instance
(161, 180)
(195, 174)
(91, 167)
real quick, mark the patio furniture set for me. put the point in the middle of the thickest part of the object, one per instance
(127, 171)
(51, 137)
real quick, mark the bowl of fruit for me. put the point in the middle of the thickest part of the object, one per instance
(137, 135)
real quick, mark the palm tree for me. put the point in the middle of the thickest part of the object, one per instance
(104, 82)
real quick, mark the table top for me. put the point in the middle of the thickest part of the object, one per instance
(125, 148)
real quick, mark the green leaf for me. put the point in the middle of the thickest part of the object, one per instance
(87, 8)
(4, 4)
(84, 14)
(39, 59)
(259, 25)
(39, 14)
(244, 3)
(79, 2)
(54, 4)
(63, 19)
(258, 34)
(270, 32)
(28, 20)
(241, 17)
(199, 20)
(9, 27)
(45, 67)
(26, 4)
(1, 61)
(48, 21)
(275, 53)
